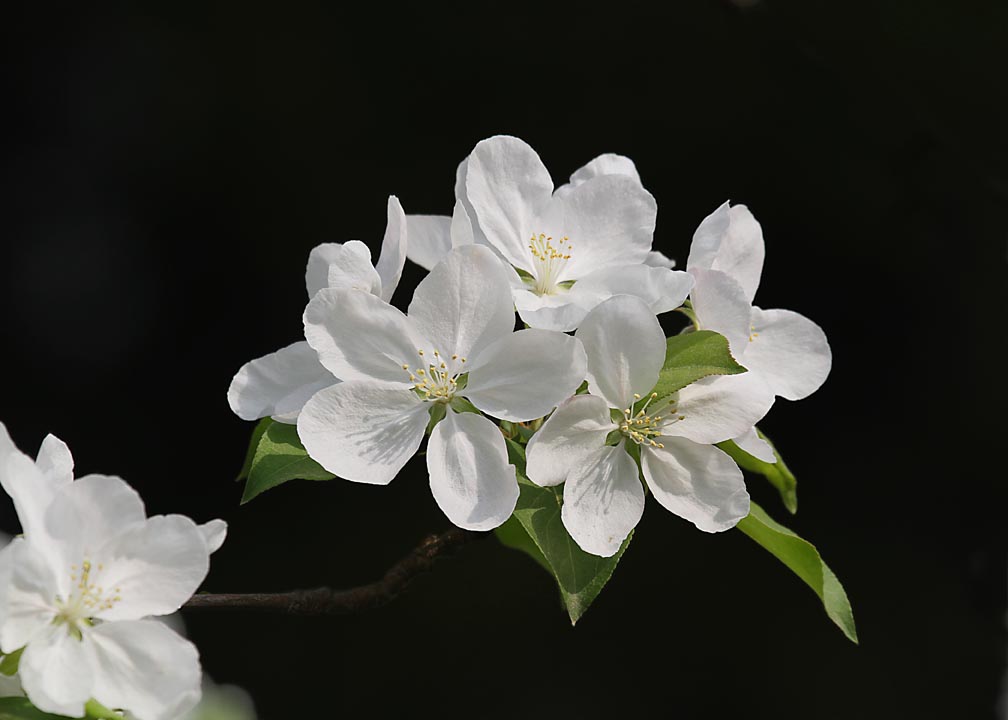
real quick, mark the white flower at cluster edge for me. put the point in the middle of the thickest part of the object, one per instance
(395, 367)
(603, 496)
(76, 590)
(279, 384)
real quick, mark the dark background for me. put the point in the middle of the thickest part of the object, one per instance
(165, 173)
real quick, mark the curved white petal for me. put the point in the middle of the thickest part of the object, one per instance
(319, 260)
(605, 164)
(152, 567)
(462, 198)
(625, 347)
(393, 249)
(603, 501)
(756, 446)
(7, 446)
(360, 337)
(145, 667)
(428, 239)
(30, 596)
(56, 673)
(90, 511)
(699, 483)
(278, 384)
(561, 311)
(508, 187)
(363, 431)
(55, 461)
(352, 268)
(214, 533)
(461, 226)
(720, 408)
(31, 490)
(470, 477)
(526, 374)
(790, 351)
(662, 289)
(730, 240)
(657, 259)
(609, 220)
(464, 304)
(720, 305)
(575, 431)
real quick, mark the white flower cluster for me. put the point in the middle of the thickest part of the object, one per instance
(81, 587)
(368, 381)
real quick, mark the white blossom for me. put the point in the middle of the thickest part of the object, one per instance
(571, 248)
(603, 495)
(456, 342)
(77, 589)
(786, 349)
(279, 384)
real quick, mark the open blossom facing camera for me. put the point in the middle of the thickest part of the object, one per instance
(457, 342)
(572, 248)
(603, 495)
(279, 384)
(786, 350)
(78, 588)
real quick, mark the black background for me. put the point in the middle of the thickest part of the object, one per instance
(165, 173)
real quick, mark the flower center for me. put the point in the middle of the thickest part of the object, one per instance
(438, 381)
(87, 599)
(646, 425)
(548, 261)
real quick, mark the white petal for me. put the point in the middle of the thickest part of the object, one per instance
(352, 268)
(31, 490)
(720, 408)
(30, 596)
(561, 311)
(606, 164)
(55, 461)
(461, 198)
(360, 337)
(85, 514)
(730, 240)
(470, 477)
(7, 447)
(662, 289)
(278, 384)
(153, 567)
(576, 430)
(461, 226)
(465, 303)
(393, 249)
(526, 374)
(428, 239)
(790, 351)
(603, 501)
(508, 187)
(625, 347)
(363, 431)
(319, 259)
(755, 446)
(609, 220)
(657, 259)
(214, 533)
(145, 667)
(697, 482)
(55, 672)
(720, 305)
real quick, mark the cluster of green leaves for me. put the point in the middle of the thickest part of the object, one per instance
(276, 456)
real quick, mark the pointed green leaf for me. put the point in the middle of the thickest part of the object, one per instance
(9, 663)
(536, 528)
(777, 473)
(804, 560)
(18, 708)
(693, 356)
(257, 434)
(280, 457)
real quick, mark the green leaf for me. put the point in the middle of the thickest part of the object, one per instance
(16, 708)
(9, 664)
(777, 473)
(804, 560)
(280, 457)
(257, 434)
(97, 711)
(536, 528)
(693, 356)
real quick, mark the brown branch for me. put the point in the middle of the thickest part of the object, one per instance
(326, 601)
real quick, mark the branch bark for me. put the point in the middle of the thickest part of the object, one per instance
(326, 601)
